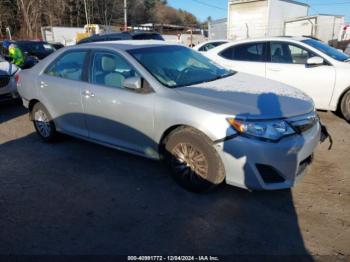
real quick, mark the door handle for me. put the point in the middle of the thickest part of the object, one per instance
(88, 93)
(43, 84)
(274, 69)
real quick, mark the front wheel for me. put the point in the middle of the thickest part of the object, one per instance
(193, 160)
(43, 123)
(345, 106)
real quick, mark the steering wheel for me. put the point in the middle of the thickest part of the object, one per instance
(182, 73)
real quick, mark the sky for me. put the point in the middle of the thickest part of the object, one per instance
(202, 8)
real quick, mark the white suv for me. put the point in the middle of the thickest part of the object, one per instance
(312, 66)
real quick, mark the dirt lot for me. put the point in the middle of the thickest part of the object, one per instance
(75, 197)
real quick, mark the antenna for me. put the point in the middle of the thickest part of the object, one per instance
(86, 13)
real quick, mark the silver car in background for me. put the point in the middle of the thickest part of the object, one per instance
(8, 76)
(168, 101)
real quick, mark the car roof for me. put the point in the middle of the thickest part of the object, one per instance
(273, 38)
(128, 44)
(124, 33)
(110, 34)
(143, 33)
(29, 42)
(259, 39)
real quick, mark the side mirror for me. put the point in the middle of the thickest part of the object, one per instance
(134, 83)
(316, 60)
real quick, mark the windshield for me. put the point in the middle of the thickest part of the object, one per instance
(328, 50)
(176, 66)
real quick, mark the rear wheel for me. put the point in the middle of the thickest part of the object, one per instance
(345, 106)
(43, 123)
(193, 160)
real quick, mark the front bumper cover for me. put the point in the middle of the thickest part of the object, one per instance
(290, 157)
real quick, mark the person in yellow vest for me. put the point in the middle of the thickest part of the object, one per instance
(16, 55)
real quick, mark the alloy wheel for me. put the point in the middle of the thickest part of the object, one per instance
(42, 122)
(189, 161)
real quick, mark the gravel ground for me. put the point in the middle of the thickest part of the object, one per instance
(75, 197)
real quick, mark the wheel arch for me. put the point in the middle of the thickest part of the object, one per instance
(32, 103)
(165, 137)
(166, 134)
(31, 106)
(340, 99)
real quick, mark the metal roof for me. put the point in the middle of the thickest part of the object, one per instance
(249, 1)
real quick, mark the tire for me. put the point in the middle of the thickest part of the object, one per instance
(43, 123)
(345, 106)
(193, 160)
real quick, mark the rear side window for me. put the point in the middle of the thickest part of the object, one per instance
(252, 52)
(209, 46)
(68, 66)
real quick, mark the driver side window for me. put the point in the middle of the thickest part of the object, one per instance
(110, 70)
(288, 53)
(69, 66)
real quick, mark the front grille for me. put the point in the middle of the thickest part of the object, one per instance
(4, 81)
(305, 123)
(269, 174)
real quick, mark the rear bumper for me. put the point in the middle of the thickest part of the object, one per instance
(9, 91)
(259, 165)
(25, 102)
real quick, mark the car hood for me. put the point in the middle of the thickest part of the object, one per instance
(9, 68)
(249, 97)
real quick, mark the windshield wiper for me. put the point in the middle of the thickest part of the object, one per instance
(206, 81)
(220, 77)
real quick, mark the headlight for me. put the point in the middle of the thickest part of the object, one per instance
(266, 130)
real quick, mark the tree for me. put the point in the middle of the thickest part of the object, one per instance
(26, 17)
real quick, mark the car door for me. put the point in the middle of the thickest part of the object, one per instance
(248, 58)
(61, 85)
(116, 115)
(288, 64)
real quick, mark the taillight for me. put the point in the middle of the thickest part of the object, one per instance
(17, 78)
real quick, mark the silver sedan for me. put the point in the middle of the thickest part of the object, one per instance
(168, 102)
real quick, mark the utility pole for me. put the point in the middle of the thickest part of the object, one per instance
(86, 13)
(8, 31)
(125, 16)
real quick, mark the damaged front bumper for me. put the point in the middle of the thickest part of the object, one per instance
(326, 135)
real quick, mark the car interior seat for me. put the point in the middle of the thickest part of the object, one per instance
(277, 55)
(109, 75)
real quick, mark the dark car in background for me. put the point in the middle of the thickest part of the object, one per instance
(57, 45)
(39, 49)
(32, 50)
(122, 36)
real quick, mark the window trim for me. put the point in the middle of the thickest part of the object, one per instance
(60, 56)
(326, 62)
(265, 49)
